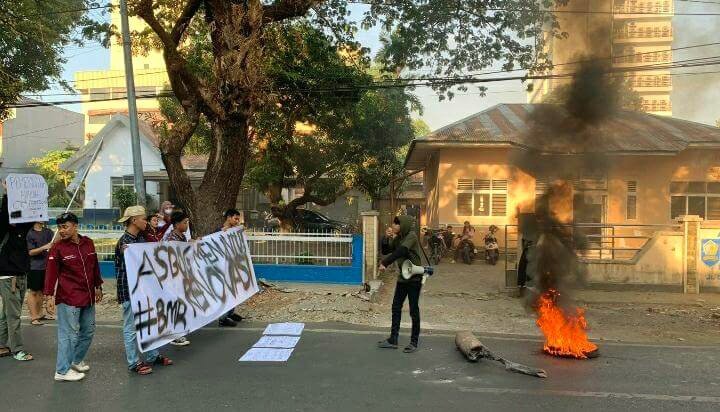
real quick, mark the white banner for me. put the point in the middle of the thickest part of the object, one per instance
(178, 287)
(27, 198)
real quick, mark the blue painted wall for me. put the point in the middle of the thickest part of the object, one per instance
(296, 273)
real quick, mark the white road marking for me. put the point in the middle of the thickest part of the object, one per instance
(583, 394)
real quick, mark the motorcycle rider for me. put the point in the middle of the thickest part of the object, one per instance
(491, 245)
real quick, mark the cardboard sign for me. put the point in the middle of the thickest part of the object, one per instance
(178, 287)
(27, 198)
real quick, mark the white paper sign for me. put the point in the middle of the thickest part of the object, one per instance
(277, 342)
(284, 329)
(266, 355)
(27, 198)
(178, 287)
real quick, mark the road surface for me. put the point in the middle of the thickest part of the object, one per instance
(337, 367)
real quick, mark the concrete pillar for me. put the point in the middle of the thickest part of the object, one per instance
(691, 231)
(370, 244)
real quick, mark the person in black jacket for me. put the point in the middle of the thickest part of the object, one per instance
(14, 266)
(404, 245)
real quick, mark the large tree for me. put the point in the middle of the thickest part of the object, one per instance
(446, 37)
(33, 34)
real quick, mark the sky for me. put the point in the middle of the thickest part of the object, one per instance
(695, 97)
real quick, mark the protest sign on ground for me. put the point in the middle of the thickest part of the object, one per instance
(178, 287)
(27, 198)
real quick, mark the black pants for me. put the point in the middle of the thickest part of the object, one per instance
(411, 290)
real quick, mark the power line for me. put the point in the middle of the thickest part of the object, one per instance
(42, 130)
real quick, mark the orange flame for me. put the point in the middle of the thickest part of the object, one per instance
(564, 334)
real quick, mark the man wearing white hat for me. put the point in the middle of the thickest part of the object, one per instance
(135, 220)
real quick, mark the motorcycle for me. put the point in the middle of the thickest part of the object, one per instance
(467, 251)
(436, 243)
(492, 250)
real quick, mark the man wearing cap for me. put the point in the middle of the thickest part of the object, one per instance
(135, 221)
(72, 275)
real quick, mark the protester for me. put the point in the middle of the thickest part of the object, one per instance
(386, 241)
(135, 223)
(168, 210)
(232, 219)
(180, 223)
(404, 246)
(14, 266)
(39, 242)
(152, 232)
(73, 277)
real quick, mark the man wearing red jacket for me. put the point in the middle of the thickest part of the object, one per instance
(73, 277)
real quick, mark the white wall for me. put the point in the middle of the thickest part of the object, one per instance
(115, 160)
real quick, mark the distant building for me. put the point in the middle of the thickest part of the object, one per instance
(97, 86)
(660, 168)
(633, 33)
(33, 131)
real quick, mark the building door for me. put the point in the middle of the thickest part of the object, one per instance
(589, 209)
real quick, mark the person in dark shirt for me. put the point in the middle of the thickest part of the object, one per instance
(180, 224)
(404, 246)
(14, 266)
(152, 232)
(232, 219)
(39, 242)
(135, 223)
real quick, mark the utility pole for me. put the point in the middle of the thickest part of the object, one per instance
(132, 106)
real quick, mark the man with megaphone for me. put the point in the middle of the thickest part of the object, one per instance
(404, 248)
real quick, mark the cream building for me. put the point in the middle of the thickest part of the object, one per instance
(637, 34)
(97, 86)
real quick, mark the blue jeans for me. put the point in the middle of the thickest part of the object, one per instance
(131, 349)
(76, 328)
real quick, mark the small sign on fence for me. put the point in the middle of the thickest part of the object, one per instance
(27, 198)
(177, 287)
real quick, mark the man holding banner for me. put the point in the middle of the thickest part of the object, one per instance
(135, 222)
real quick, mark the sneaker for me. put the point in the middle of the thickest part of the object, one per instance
(180, 342)
(236, 317)
(386, 344)
(227, 322)
(70, 376)
(81, 367)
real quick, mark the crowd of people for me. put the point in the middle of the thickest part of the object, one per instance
(61, 274)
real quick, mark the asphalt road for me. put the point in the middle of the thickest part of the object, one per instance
(337, 368)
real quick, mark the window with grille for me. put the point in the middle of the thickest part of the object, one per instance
(695, 198)
(482, 197)
(631, 204)
(116, 182)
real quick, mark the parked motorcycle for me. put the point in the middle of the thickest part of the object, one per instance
(492, 250)
(467, 251)
(436, 244)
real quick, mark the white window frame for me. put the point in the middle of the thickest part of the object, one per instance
(491, 191)
(688, 194)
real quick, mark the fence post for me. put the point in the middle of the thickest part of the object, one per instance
(370, 244)
(691, 228)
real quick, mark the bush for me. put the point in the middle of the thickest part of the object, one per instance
(125, 197)
(304, 260)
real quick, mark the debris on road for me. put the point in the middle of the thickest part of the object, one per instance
(474, 350)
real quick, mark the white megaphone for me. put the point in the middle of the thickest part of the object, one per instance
(409, 270)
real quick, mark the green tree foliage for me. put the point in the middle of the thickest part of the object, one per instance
(449, 38)
(125, 197)
(48, 166)
(32, 36)
(343, 132)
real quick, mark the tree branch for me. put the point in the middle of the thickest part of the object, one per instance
(183, 21)
(287, 9)
(176, 64)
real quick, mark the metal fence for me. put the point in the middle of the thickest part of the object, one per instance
(301, 248)
(265, 247)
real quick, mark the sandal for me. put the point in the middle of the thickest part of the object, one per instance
(142, 369)
(37, 322)
(22, 356)
(162, 360)
(5, 352)
(47, 317)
